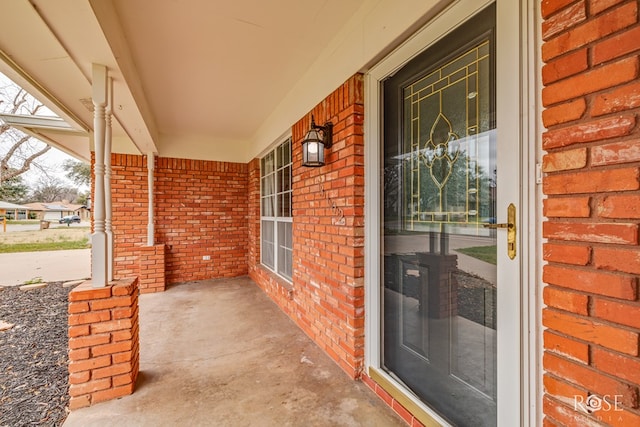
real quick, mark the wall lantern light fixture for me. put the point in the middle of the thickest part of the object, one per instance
(317, 139)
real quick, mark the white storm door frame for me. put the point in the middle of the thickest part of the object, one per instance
(517, 68)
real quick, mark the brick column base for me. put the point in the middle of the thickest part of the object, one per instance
(152, 269)
(103, 342)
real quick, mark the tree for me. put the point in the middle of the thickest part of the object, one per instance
(52, 189)
(83, 198)
(13, 190)
(18, 151)
(78, 172)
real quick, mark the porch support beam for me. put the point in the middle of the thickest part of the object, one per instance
(150, 225)
(99, 237)
(107, 180)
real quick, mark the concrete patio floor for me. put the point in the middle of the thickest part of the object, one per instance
(221, 353)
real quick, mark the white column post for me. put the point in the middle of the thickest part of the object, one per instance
(99, 237)
(150, 226)
(107, 180)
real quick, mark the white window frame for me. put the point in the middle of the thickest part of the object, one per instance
(276, 219)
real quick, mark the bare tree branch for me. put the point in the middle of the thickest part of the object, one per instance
(8, 173)
(5, 161)
(21, 154)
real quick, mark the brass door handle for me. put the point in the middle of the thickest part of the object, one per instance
(511, 230)
(503, 225)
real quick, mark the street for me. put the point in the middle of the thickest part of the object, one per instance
(17, 268)
(51, 266)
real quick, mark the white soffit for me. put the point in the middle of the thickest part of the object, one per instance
(373, 31)
(214, 71)
(201, 79)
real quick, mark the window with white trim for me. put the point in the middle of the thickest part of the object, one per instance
(276, 223)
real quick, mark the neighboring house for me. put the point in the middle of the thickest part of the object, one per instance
(53, 211)
(469, 249)
(13, 211)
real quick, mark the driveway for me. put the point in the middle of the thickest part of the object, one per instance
(51, 266)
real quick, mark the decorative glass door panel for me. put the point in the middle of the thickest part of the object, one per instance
(439, 287)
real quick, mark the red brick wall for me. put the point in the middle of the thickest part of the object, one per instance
(592, 167)
(326, 298)
(253, 213)
(103, 342)
(129, 212)
(152, 268)
(200, 207)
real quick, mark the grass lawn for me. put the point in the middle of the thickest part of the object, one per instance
(44, 246)
(483, 253)
(53, 239)
(22, 221)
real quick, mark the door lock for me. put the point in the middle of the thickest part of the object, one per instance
(510, 225)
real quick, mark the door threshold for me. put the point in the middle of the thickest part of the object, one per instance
(397, 392)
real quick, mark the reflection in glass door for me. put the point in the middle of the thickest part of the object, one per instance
(439, 287)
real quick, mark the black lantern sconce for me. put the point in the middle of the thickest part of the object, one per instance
(317, 139)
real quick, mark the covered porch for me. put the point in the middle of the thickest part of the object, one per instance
(194, 116)
(220, 352)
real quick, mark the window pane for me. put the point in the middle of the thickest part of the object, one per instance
(284, 153)
(264, 186)
(286, 178)
(268, 185)
(268, 206)
(281, 181)
(284, 205)
(287, 152)
(267, 164)
(267, 244)
(285, 249)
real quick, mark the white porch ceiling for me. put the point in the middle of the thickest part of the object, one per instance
(218, 80)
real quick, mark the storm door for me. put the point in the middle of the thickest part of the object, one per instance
(439, 281)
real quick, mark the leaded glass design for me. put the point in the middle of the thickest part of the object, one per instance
(446, 120)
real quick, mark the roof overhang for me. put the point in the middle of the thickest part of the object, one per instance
(53, 131)
(195, 79)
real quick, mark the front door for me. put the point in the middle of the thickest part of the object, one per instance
(439, 283)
